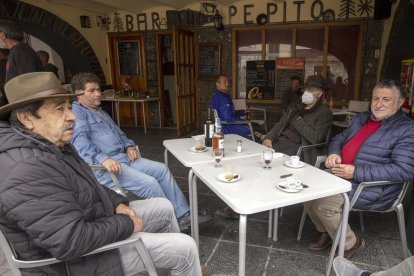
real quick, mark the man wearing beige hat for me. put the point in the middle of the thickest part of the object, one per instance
(51, 205)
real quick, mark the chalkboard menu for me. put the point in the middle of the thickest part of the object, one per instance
(285, 69)
(209, 61)
(260, 79)
(129, 58)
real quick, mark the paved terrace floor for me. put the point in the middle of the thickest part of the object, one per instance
(219, 237)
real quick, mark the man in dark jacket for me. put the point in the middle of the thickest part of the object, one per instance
(303, 123)
(51, 205)
(378, 145)
(22, 58)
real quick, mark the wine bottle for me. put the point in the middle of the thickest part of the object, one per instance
(208, 130)
(218, 137)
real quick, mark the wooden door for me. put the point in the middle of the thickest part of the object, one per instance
(128, 63)
(184, 57)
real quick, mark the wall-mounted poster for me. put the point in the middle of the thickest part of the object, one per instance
(129, 58)
(285, 69)
(260, 79)
(208, 61)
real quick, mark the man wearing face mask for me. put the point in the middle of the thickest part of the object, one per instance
(303, 123)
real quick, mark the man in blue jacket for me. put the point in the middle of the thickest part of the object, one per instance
(100, 141)
(378, 145)
(223, 103)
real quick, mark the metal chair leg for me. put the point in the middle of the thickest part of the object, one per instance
(269, 228)
(146, 258)
(302, 222)
(281, 212)
(399, 209)
(276, 217)
(361, 221)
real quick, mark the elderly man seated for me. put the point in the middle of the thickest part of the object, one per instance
(378, 145)
(51, 204)
(100, 141)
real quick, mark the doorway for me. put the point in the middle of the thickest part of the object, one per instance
(176, 80)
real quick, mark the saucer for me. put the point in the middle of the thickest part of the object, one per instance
(193, 149)
(300, 165)
(282, 186)
(222, 178)
(277, 155)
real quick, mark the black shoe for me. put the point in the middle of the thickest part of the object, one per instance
(184, 221)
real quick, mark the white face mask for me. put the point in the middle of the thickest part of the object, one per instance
(308, 98)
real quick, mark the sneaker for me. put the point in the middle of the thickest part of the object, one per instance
(184, 221)
(342, 266)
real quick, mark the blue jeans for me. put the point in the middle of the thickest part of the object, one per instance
(148, 179)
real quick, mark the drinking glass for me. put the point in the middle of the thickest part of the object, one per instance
(267, 158)
(218, 155)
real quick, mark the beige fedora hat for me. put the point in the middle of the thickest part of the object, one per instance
(31, 87)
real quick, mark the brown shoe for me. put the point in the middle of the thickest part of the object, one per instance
(227, 212)
(205, 271)
(358, 246)
(321, 243)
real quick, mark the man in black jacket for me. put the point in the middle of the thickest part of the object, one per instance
(22, 58)
(51, 205)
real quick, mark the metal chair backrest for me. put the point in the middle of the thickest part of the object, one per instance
(118, 187)
(358, 106)
(239, 104)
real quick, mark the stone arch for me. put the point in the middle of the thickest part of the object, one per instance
(75, 51)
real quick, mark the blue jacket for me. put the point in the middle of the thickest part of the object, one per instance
(223, 103)
(97, 137)
(388, 154)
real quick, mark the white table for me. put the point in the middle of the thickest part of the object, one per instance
(143, 102)
(256, 192)
(180, 148)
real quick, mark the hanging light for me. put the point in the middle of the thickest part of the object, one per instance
(218, 21)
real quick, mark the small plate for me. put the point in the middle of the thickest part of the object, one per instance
(277, 155)
(193, 149)
(282, 186)
(222, 178)
(300, 165)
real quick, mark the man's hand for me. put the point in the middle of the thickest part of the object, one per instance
(332, 160)
(267, 142)
(132, 153)
(112, 165)
(123, 209)
(345, 171)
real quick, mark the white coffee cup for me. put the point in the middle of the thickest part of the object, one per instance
(292, 182)
(294, 160)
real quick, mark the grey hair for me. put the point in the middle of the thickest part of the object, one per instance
(390, 84)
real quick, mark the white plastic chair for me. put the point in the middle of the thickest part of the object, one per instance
(117, 187)
(16, 264)
(396, 206)
(353, 108)
(240, 104)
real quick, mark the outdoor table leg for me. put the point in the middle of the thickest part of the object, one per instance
(117, 113)
(269, 227)
(166, 157)
(275, 218)
(143, 113)
(135, 114)
(192, 190)
(340, 234)
(242, 244)
(159, 111)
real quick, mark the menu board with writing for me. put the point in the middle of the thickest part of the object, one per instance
(285, 69)
(129, 58)
(208, 61)
(260, 79)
